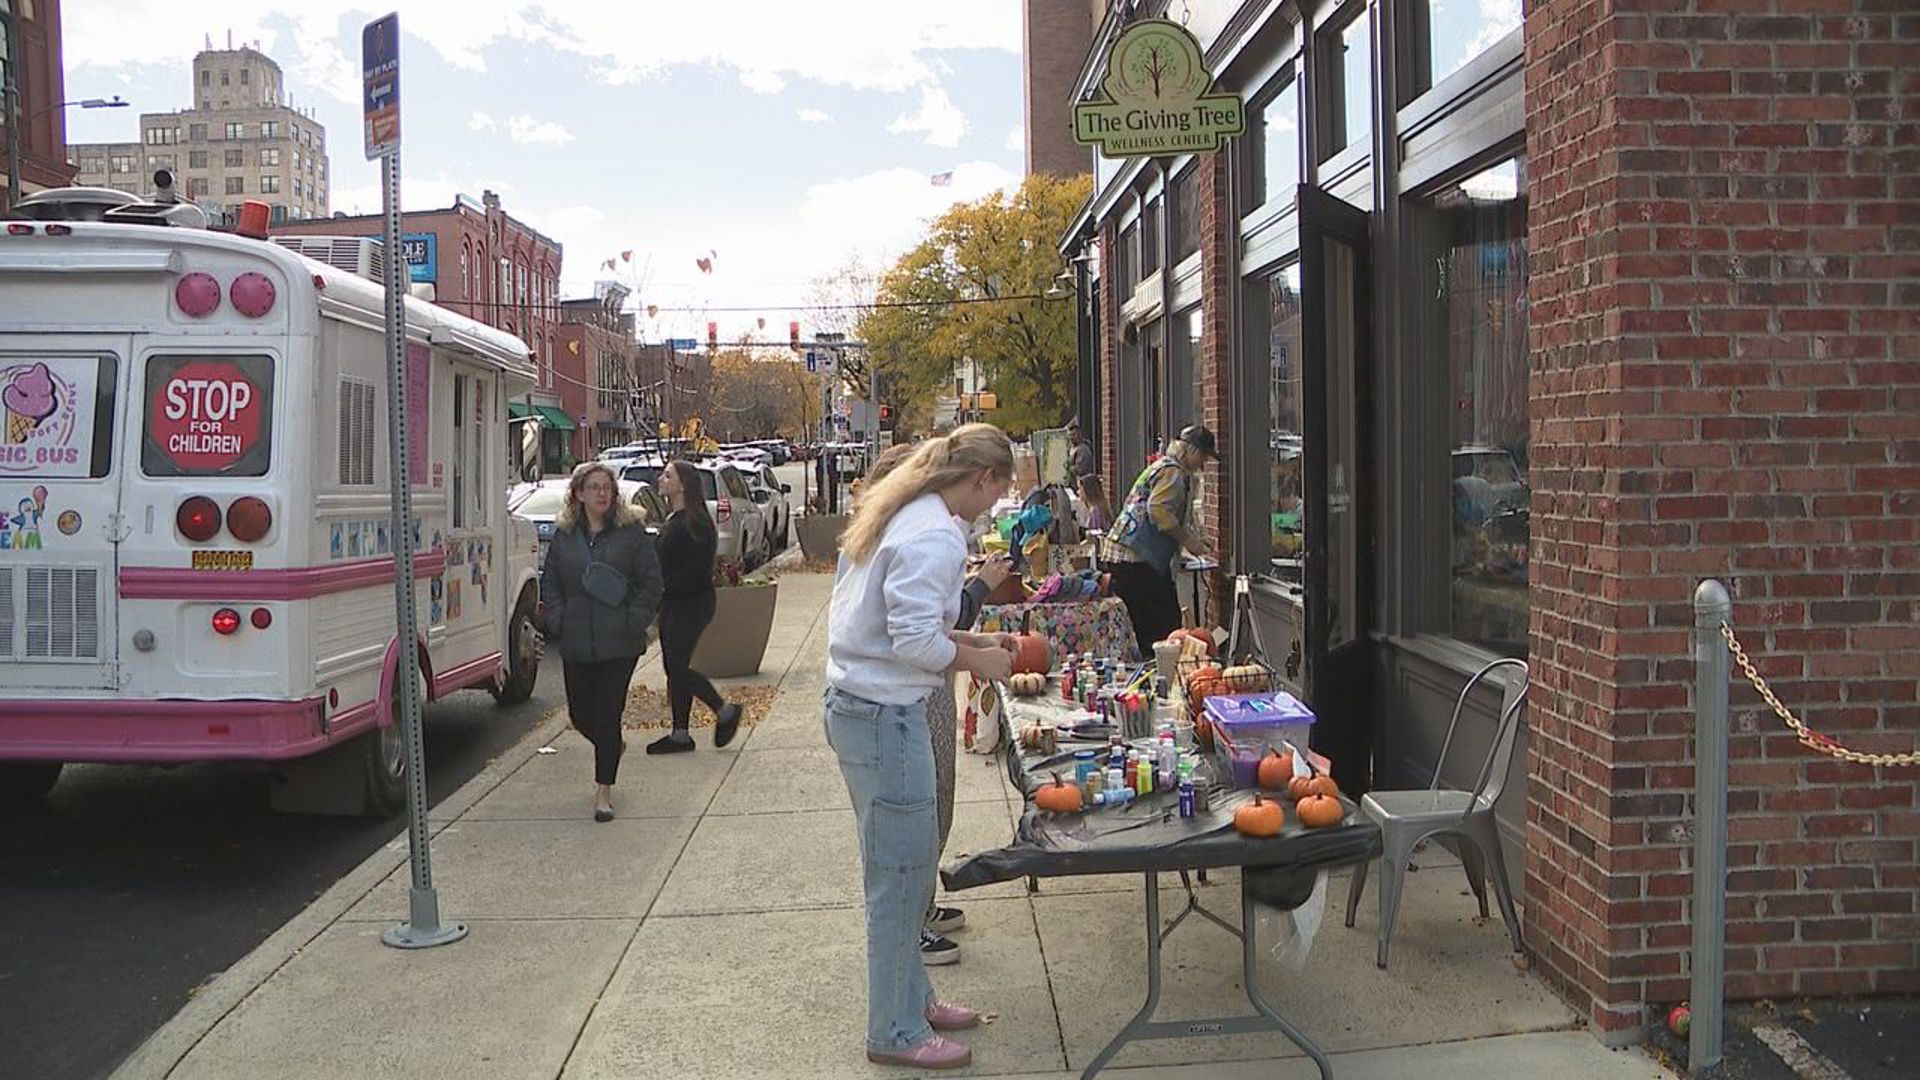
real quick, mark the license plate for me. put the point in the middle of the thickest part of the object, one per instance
(223, 560)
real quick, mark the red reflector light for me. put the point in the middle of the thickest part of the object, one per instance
(198, 519)
(261, 618)
(248, 519)
(59, 230)
(197, 294)
(252, 294)
(19, 228)
(723, 510)
(226, 621)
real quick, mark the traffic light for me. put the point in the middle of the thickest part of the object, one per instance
(886, 414)
(713, 335)
(793, 335)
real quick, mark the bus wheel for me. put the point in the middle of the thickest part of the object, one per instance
(384, 750)
(23, 783)
(523, 656)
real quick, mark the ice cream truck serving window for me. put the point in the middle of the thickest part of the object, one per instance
(208, 416)
(59, 415)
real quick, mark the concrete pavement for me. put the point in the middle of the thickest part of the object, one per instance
(714, 930)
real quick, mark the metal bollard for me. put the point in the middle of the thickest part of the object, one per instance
(1711, 608)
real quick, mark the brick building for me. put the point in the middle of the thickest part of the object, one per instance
(30, 56)
(488, 265)
(1053, 38)
(240, 140)
(1514, 330)
(596, 369)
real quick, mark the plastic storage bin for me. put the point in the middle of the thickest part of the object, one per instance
(1245, 725)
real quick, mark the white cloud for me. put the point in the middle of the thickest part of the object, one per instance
(525, 129)
(938, 117)
(480, 121)
(1017, 138)
(813, 116)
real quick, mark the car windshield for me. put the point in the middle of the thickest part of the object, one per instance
(1491, 467)
(641, 474)
(544, 502)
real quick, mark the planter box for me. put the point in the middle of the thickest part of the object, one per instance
(820, 536)
(736, 641)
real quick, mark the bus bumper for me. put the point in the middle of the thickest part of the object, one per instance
(118, 730)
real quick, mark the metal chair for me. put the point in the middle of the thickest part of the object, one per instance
(1406, 818)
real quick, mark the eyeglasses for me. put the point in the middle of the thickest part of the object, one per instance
(608, 488)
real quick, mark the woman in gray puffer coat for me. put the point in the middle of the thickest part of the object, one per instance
(600, 589)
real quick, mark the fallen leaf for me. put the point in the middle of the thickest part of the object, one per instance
(547, 750)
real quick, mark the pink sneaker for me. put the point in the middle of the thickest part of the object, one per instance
(946, 1016)
(934, 1052)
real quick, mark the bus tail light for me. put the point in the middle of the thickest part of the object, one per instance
(198, 519)
(723, 510)
(248, 519)
(226, 621)
(261, 618)
(197, 295)
(59, 230)
(19, 228)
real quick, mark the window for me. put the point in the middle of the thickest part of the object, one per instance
(1150, 225)
(236, 185)
(196, 133)
(1277, 168)
(206, 77)
(469, 494)
(1285, 424)
(160, 161)
(1475, 287)
(236, 131)
(161, 136)
(1350, 85)
(1185, 396)
(1450, 33)
(270, 157)
(298, 191)
(75, 440)
(208, 416)
(226, 78)
(269, 184)
(356, 432)
(243, 76)
(269, 129)
(236, 159)
(1186, 214)
(124, 163)
(196, 159)
(196, 187)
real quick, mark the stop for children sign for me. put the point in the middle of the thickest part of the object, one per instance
(208, 416)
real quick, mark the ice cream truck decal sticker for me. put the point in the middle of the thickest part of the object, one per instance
(195, 543)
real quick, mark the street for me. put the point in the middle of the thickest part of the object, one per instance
(133, 885)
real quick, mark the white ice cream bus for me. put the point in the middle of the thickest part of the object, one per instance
(195, 550)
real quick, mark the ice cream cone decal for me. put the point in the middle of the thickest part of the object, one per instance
(28, 400)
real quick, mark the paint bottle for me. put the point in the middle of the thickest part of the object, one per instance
(1186, 799)
(1096, 783)
(1083, 765)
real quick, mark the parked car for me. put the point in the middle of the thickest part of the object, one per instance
(742, 527)
(642, 470)
(779, 448)
(747, 456)
(771, 496)
(539, 504)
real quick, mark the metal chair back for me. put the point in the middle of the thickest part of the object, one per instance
(1493, 771)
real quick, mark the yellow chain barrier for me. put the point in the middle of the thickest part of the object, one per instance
(1809, 738)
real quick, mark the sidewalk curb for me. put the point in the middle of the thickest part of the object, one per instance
(170, 1044)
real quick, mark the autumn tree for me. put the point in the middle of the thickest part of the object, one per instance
(974, 288)
(761, 394)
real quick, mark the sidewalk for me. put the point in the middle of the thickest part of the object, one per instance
(714, 930)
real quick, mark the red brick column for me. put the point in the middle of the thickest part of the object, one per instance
(1107, 439)
(1218, 276)
(1725, 316)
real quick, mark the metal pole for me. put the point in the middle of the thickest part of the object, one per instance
(12, 96)
(873, 411)
(422, 928)
(1711, 608)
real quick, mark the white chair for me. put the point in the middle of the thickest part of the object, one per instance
(1406, 818)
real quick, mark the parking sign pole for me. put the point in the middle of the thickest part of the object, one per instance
(380, 56)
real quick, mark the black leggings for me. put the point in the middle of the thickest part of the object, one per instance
(596, 698)
(683, 618)
(1153, 605)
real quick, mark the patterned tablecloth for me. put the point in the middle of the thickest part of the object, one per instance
(1096, 627)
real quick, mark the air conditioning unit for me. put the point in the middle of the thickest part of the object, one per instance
(360, 255)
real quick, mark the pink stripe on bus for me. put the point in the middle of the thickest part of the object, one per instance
(293, 583)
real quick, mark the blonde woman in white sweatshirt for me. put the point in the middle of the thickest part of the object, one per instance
(890, 643)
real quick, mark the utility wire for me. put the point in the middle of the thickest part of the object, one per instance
(874, 305)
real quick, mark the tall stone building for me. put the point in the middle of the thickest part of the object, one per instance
(1055, 35)
(239, 140)
(30, 58)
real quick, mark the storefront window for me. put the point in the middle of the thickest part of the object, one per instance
(1279, 162)
(1150, 225)
(1285, 430)
(1184, 379)
(1477, 290)
(1186, 214)
(1449, 33)
(1350, 79)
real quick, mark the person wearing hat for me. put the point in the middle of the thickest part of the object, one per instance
(1154, 523)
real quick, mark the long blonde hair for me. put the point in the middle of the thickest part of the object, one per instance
(935, 464)
(572, 516)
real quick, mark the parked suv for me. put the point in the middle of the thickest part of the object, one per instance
(742, 526)
(771, 496)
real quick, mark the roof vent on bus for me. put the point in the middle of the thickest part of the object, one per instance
(360, 255)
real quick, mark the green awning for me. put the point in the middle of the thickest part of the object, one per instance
(517, 411)
(555, 418)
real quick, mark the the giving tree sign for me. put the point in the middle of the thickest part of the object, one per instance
(1158, 98)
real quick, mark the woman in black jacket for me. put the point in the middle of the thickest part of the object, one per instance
(688, 542)
(601, 589)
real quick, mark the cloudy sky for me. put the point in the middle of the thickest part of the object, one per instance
(786, 137)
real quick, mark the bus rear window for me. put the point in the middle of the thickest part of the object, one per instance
(208, 416)
(58, 412)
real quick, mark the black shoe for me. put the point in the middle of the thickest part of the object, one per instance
(938, 949)
(726, 725)
(678, 742)
(946, 920)
(602, 816)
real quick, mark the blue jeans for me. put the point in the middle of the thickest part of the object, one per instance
(886, 757)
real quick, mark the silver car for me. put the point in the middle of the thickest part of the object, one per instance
(539, 504)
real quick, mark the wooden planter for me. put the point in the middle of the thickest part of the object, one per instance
(736, 640)
(820, 536)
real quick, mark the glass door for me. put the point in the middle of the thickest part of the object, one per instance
(1339, 568)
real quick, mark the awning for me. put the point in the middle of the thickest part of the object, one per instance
(517, 411)
(554, 418)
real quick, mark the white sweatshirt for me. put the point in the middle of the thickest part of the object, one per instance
(889, 625)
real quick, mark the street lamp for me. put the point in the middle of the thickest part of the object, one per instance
(13, 129)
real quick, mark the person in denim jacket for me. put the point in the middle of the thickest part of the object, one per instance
(891, 643)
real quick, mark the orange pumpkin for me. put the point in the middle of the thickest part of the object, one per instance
(1058, 797)
(1032, 654)
(1204, 683)
(1320, 811)
(1188, 632)
(1297, 788)
(1259, 818)
(1274, 770)
(1322, 784)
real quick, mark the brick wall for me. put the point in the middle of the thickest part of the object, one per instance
(1056, 35)
(1108, 437)
(1218, 278)
(1725, 314)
